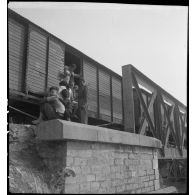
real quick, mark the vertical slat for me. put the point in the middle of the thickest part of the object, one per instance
(81, 67)
(25, 64)
(47, 63)
(158, 118)
(111, 98)
(98, 100)
(129, 119)
(122, 88)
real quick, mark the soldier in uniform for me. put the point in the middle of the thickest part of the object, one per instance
(82, 101)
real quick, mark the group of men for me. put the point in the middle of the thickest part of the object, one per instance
(66, 101)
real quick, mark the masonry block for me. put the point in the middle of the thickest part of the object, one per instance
(90, 177)
(157, 176)
(150, 171)
(95, 186)
(155, 163)
(146, 183)
(100, 177)
(84, 187)
(152, 177)
(156, 184)
(151, 183)
(71, 189)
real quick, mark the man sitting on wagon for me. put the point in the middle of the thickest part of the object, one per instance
(51, 107)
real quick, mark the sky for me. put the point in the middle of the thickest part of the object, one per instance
(151, 38)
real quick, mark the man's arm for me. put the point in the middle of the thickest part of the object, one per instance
(85, 92)
(76, 75)
(51, 98)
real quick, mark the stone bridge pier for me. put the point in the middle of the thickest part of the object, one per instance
(104, 160)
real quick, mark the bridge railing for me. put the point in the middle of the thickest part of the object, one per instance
(165, 116)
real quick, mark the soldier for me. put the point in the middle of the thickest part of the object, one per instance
(82, 101)
(73, 75)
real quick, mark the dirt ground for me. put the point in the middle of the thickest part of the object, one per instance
(181, 185)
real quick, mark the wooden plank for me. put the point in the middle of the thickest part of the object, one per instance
(177, 128)
(47, 63)
(15, 73)
(36, 71)
(37, 65)
(37, 36)
(117, 115)
(158, 120)
(36, 76)
(111, 98)
(14, 31)
(183, 130)
(37, 83)
(37, 53)
(15, 35)
(15, 59)
(168, 129)
(98, 91)
(15, 53)
(143, 104)
(15, 81)
(14, 26)
(129, 119)
(15, 66)
(37, 61)
(117, 121)
(150, 107)
(105, 117)
(38, 45)
(15, 46)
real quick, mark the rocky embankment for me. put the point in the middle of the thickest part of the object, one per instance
(27, 172)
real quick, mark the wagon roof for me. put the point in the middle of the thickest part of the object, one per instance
(25, 20)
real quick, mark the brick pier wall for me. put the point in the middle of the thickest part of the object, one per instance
(111, 168)
(102, 167)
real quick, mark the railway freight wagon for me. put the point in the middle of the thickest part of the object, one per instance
(35, 58)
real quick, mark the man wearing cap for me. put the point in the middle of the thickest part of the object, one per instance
(51, 106)
(72, 68)
(82, 101)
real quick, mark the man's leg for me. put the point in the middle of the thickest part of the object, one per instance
(48, 111)
(84, 115)
(40, 119)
